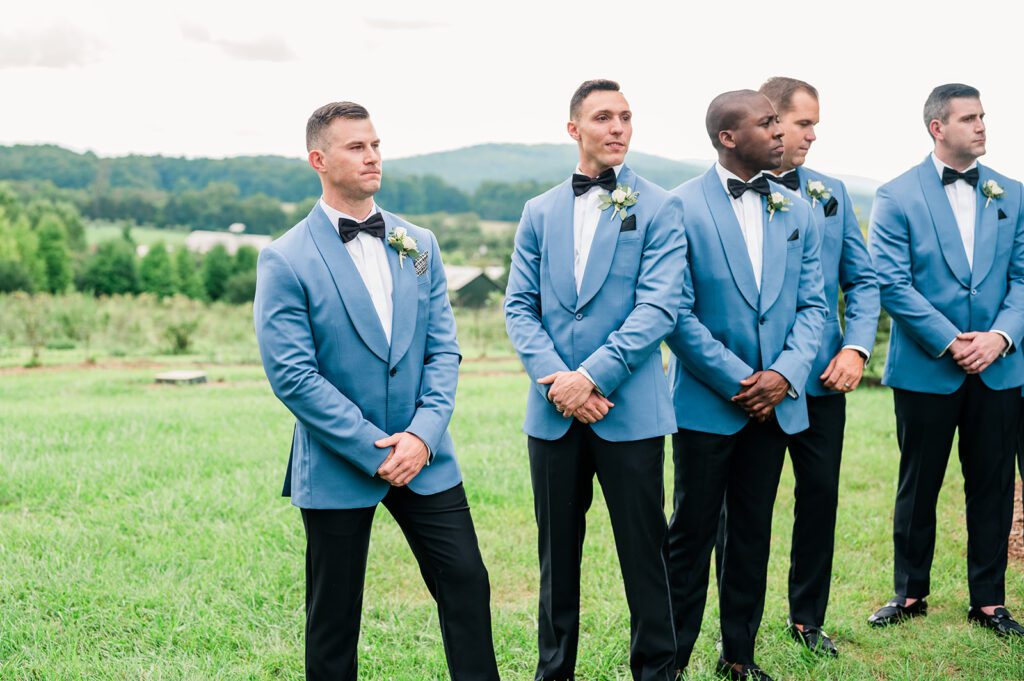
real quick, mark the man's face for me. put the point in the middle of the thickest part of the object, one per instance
(758, 136)
(350, 157)
(963, 133)
(603, 128)
(798, 128)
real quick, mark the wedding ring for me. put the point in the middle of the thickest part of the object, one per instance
(846, 385)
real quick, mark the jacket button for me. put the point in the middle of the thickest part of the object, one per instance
(579, 316)
(974, 291)
(393, 372)
(762, 320)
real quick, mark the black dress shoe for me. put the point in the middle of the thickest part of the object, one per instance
(896, 611)
(1001, 621)
(743, 671)
(813, 638)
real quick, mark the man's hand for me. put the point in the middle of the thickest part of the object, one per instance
(594, 409)
(408, 455)
(568, 391)
(974, 351)
(761, 391)
(845, 370)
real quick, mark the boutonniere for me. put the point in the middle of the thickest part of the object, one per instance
(777, 201)
(622, 198)
(991, 190)
(817, 190)
(400, 240)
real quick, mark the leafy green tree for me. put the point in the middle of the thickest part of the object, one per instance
(157, 273)
(53, 251)
(27, 244)
(245, 259)
(189, 282)
(13, 277)
(112, 269)
(217, 269)
(240, 288)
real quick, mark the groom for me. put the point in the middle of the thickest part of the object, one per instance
(358, 340)
(592, 291)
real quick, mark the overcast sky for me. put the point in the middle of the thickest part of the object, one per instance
(211, 78)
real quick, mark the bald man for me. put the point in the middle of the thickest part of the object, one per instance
(748, 330)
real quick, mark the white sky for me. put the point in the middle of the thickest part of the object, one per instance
(211, 78)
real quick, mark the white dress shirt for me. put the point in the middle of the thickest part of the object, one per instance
(963, 199)
(586, 213)
(750, 214)
(371, 261)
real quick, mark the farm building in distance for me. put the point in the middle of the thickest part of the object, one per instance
(470, 286)
(201, 241)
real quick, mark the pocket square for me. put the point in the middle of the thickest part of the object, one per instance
(831, 206)
(794, 236)
(629, 224)
(421, 263)
(1002, 215)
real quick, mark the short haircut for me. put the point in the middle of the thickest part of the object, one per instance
(322, 117)
(780, 90)
(726, 111)
(584, 90)
(936, 107)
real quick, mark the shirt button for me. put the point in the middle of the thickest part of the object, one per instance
(393, 372)
(579, 316)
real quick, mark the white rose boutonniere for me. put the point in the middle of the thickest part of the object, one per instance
(991, 190)
(777, 201)
(817, 190)
(406, 246)
(619, 200)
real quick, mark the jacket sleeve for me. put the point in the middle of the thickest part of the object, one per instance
(1010, 318)
(286, 346)
(859, 283)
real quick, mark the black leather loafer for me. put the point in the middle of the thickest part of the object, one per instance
(813, 638)
(1001, 621)
(895, 612)
(743, 672)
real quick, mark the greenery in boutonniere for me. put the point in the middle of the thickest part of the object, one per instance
(991, 190)
(817, 190)
(777, 201)
(622, 198)
(406, 246)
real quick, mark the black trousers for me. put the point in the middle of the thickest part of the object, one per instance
(440, 532)
(987, 421)
(741, 472)
(632, 480)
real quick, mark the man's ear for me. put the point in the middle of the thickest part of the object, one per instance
(316, 160)
(573, 131)
(726, 139)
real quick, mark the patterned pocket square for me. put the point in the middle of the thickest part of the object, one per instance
(794, 236)
(1002, 215)
(629, 224)
(421, 263)
(831, 206)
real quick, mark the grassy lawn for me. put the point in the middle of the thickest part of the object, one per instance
(142, 537)
(97, 232)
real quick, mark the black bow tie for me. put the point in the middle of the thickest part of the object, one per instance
(759, 184)
(373, 225)
(790, 180)
(949, 176)
(581, 184)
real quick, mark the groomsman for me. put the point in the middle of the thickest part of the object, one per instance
(358, 340)
(837, 369)
(751, 318)
(947, 238)
(593, 289)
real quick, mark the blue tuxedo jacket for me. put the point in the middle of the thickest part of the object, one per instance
(329, 362)
(931, 292)
(627, 303)
(727, 330)
(845, 264)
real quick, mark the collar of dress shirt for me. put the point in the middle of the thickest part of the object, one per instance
(617, 169)
(724, 175)
(939, 165)
(333, 214)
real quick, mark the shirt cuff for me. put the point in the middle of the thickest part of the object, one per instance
(792, 392)
(586, 374)
(861, 350)
(947, 348)
(1009, 341)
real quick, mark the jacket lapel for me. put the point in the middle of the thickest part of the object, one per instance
(986, 231)
(348, 282)
(558, 241)
(404, 296)
(944, 221)
(773, 248)
(602, 248)
(732, 239)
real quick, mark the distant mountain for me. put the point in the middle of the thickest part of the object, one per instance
(467, 167)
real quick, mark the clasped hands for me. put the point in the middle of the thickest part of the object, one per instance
(407, 456)
(573, 394)
(974, 351)
(760, 392)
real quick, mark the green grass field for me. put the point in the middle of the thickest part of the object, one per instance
(142, 537)
(97, 232)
